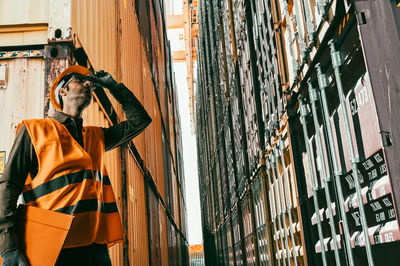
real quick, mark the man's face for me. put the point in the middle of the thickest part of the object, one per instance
(77, 92)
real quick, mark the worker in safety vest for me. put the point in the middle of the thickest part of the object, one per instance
(58, 165)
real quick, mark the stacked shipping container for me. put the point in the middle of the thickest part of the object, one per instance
(39, 39)
(296, 150)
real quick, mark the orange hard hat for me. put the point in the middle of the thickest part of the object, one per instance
(55, 87)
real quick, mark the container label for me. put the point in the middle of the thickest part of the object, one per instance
(377, 212)
(369, 171)
(377, 198)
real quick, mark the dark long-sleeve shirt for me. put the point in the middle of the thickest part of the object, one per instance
(23, 161)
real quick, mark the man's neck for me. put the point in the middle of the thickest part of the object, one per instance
(72, 112)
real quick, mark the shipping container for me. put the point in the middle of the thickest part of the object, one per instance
(262, 229)
(248, 230)
(196, 255)
(309, 123)
(39, 39)
(238, 242)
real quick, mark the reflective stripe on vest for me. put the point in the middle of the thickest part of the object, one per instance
(73, 179)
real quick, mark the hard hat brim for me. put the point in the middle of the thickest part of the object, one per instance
(72, 69)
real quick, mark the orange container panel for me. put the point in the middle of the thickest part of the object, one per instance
(178, 249)
(172, 249)
(163, 236)
(137, 215)
(95, 24)
(131, 58)
(154, 227)
(113, 163)
(154, 156)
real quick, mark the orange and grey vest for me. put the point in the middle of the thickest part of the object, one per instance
(73, 179)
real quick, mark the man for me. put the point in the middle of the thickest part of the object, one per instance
(59, 165)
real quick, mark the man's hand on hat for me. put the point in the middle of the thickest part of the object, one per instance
(103, 79)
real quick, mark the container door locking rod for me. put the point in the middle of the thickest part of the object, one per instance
(281, 215)
(286, 188)
(303, 113)
(282, 200)
(274, 211)
(323, 83)
(336, 63)
(313, 99)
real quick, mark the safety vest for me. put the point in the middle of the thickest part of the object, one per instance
(73, 179)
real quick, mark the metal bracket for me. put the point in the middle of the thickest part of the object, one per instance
(361, 17)
(60, 21)
(322, 78)
(58, 51)
(355, 160)
(313, 94)
(386, 138)
(339, 172)
(304, 110)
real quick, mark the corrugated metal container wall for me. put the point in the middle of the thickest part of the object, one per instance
(95, 26)
(355, 103)
(248, 230)
(153, 152)
(196, 255)
(132, 60)
(331, 196)
(178, 249)
(154, 227)
(95, 23)
(218, 244)
(248, 84)
(153, 101)
(99, 39)
(302, 27)
(237, 239)
(137, 218)
(163, 235)
(172, 248)
(229, 239)
(263, 235)
(281, 161)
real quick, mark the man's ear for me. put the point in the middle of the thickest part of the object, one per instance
(62, 91)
